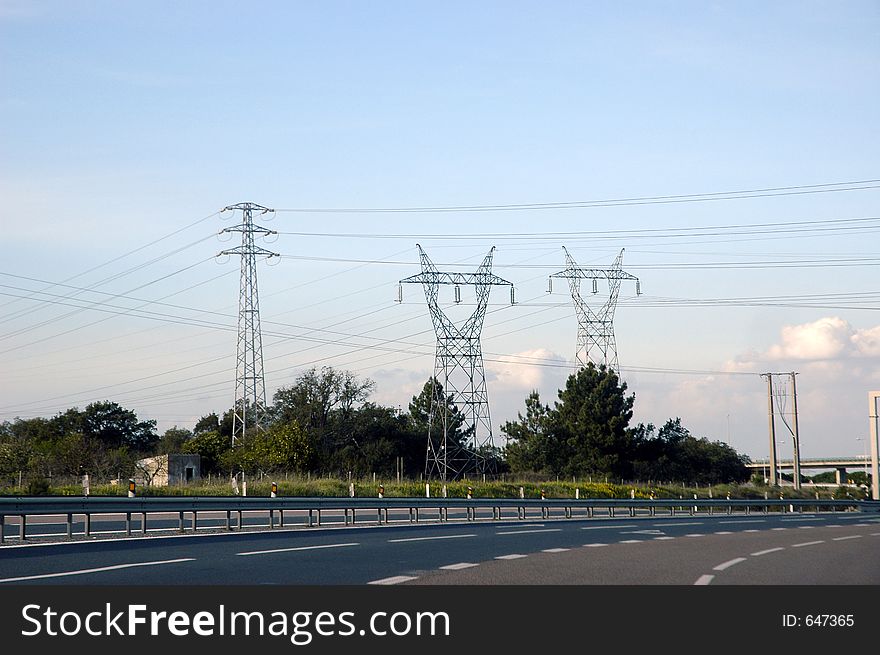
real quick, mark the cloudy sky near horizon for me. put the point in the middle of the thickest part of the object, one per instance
(126, 127)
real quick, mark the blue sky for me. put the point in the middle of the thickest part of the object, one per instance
(122, 123)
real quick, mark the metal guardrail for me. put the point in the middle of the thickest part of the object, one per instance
(439, 507)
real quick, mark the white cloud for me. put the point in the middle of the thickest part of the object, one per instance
(826, 338)
(523, 370)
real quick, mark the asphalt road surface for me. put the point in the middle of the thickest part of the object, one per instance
(840, 548)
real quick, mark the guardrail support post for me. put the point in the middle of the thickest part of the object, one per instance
(22, 526)
(417, 514)
(632, 511)
(180, 527)
(127, 524)
(88, 524)
(271, 519)
(748, 509)
(2, 526)
(144, 522)
(310, 518)
(345, 516)
(70, 526)
(611, 512)
(280, 518)
(730, 509)
(380, 515)
(352, 515)
(672, 510)
(318, 516)
(240, 526)
(653, 511)
(195, 520)
(229, 520)
(589, 512)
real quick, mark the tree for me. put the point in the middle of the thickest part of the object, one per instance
(115, 426)
(532, 446)
(211, 446)
(433, 394)
(282, 447)
(590, 422)
(208, 423)
(173, 440)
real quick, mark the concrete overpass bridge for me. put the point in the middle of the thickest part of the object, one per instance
(839, 464)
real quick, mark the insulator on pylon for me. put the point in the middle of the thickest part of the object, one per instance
(457, 293)
(595, 286)
(399, 293)
(549, 285)
(512, 296)
(638, 288)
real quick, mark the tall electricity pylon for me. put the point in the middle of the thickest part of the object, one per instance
(250, 384)
(458, 367)
(595, 337)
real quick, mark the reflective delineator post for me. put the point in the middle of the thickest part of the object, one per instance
(131, 488)
(351, 489)
(470, 494)
(381, 491)
(427, 490)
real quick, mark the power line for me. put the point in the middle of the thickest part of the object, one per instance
(830, 187)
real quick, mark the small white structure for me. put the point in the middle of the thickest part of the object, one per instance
(168, 470)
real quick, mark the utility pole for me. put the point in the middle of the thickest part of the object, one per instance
(772, 425)
(458, 370)
(250, 384)
(796, 444)
(874, 418)
(779, 408)
(595, 337)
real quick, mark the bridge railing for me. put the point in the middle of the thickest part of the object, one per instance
(361, 509)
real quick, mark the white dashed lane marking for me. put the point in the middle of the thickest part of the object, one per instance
(101, 569)
(852, 536)
(728, 564)
(767, 552)
(555, 550)
(445, 536)
(511, 556)
(459, 566)
(808, 543)
(397, 579)
(531, 531)
(704, 580)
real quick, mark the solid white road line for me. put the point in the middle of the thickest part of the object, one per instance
(446, 536)
(397, 579)
(806, 527)
(767, 552)
(695, 534)
(777, 529)
(115, 567)
(704, 580)
(663, 538)
(808, 543)
(512, 556)
(531, 531)
(723, 532)
(751, 530)
(852, 536)
(594, 545)
(676, 523)
(291, 550)
(459, 566)
(555, 550)
(632, 541)
(746, 521)
(728, 564)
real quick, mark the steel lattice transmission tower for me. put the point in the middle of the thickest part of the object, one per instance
(250, 384)
(458, 367)
(595, 338)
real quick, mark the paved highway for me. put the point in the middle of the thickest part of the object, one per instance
(840, 548)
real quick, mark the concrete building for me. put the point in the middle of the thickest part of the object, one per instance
(168, 470)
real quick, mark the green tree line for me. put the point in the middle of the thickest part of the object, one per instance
(326, 423)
